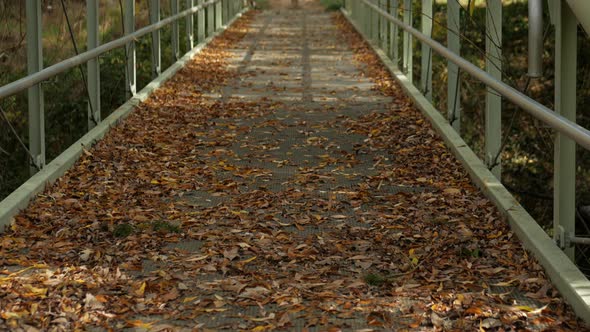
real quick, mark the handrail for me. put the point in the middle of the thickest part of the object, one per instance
(53, 70)
(574, 131)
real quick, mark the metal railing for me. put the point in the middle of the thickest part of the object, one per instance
(371, 16)
(215, 13)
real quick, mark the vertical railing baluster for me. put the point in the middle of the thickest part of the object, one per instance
(210, 20)
(383, 26)
(408, 41)
(218, 15)
(564, 218)
(94, 113)
(493, 112)
(453, 79)
(224, 11)
(426, 57)
(367, 20)
(175, 4)
(190, 26)
(35, 93)
(156, 46)
(376, 18)
(201, 23)
(130, 53)
(393, 34)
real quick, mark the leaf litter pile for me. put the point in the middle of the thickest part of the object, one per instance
(204, 210)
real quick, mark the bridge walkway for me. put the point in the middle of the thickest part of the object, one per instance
(280, 181)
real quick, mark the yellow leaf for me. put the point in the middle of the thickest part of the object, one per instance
(34, 291)
(471, 7)
(246, 261)
(189, 299)
(196, 259)
(11, 315)
(524, 308)
(140, 324)
(140, 290)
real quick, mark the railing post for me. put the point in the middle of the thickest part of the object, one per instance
(453, 80)
(383, 26)
(190, 26)
(210, 19)
(408, 41)
(218, 15)
(394, 34)
(367, 20)
(35, 93)
(201, 23)
(130, 54)
(94, 116)
(175, 4)
(375, 25)
(224, 12)
(564, 221)
(426, 66)
(493, 113)
(156, 47)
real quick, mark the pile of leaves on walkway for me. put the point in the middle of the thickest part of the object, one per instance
(112, 243)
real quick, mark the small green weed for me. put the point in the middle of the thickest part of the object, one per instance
(123, 230)
(374, 279)
(467, 252)
(165, 227)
